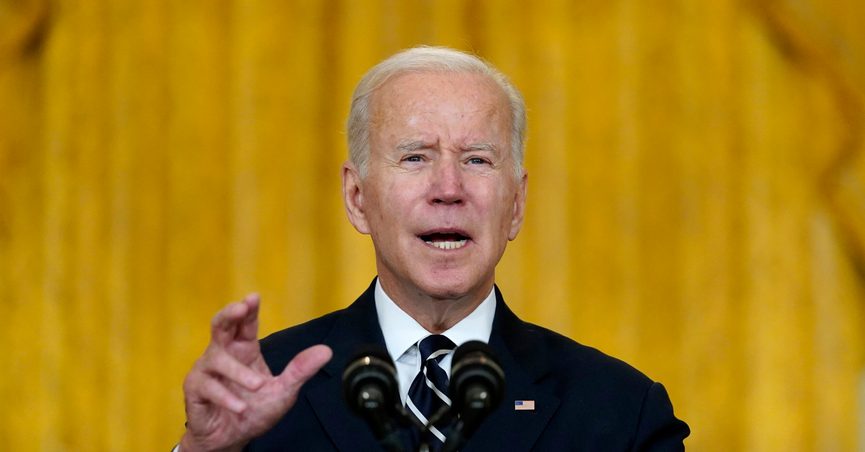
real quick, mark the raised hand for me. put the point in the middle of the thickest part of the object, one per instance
(231, 395)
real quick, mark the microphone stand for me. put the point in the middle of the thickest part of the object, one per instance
(443, 413)
(468, 422)
(456, 439)
(382, 424)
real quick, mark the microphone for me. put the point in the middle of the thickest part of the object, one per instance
(477, 385)
(370, 389)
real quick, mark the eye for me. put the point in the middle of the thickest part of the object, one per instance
(413, 158)
(477, 161)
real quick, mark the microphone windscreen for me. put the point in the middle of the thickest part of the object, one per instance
(371, 368)
(475, 365)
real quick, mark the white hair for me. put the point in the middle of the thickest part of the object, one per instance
(428, 59)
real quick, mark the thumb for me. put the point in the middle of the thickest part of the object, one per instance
(304, 365)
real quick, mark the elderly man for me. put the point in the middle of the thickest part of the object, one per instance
(435, 177)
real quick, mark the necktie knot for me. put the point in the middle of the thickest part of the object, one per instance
(435, 346)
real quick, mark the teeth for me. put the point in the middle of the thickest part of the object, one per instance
(448, 245)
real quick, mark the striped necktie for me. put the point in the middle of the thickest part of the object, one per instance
(428, 392)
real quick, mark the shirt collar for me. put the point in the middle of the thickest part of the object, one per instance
(401, 331)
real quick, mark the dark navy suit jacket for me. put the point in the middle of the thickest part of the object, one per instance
(584, 400)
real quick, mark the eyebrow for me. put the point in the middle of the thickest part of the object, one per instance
(474, 147)
(413, 145)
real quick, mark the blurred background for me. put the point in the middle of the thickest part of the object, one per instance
(696, 197)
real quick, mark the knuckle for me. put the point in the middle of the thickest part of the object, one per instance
(190, 383)
(215, 322)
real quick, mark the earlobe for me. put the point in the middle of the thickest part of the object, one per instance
(519, 206)
(352, 195)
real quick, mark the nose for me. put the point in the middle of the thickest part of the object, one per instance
(446, 186)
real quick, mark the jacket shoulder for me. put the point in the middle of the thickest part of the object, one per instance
(614, 399)
(571, 363)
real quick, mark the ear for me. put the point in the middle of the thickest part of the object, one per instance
(352, 196)
(519, 206)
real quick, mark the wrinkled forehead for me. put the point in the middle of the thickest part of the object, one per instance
(464, 99)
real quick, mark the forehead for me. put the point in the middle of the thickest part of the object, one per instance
(432, 81)
(454, 98)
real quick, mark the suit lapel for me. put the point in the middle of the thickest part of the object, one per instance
(358, 326)
(524, 363)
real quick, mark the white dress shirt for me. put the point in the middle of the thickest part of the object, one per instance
(402, 334)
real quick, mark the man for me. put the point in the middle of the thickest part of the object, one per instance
(435, 177)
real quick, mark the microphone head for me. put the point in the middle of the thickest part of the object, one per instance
(369, 382)
(477, 379)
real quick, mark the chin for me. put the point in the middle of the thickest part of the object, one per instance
(447, 287)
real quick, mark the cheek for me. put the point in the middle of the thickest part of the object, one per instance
(505, 210)
(393, 204)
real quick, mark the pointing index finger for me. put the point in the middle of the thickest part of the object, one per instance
(234, 321)
(249, 327)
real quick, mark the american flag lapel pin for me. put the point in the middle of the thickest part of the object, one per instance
(524, 405)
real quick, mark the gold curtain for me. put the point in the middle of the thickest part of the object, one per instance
(696, 197)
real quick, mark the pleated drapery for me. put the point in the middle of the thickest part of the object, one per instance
(696, 197)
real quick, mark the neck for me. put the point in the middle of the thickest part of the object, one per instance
(435, 314)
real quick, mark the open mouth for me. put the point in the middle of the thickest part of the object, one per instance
(445, 240)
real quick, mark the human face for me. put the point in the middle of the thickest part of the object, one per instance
(440, 197)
